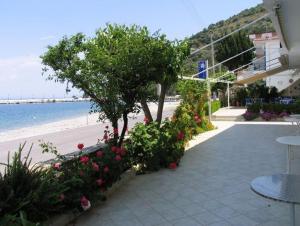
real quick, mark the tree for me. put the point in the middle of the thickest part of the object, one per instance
(117, 69)
(232, 46)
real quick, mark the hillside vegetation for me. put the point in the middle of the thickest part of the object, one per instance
(225, 26)
(221, 28)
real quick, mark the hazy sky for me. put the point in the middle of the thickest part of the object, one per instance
(27, 27)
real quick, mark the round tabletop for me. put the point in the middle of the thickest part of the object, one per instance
(291, 119)
(281, 187)
(296, 116)
(289, 140)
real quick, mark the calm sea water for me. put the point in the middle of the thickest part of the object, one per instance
(14, 116)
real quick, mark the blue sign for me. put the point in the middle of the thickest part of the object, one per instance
(202, 69)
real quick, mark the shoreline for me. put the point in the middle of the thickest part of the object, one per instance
(63, 125)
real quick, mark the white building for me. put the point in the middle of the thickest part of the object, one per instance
(268, 52)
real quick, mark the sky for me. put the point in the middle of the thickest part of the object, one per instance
(28, 27)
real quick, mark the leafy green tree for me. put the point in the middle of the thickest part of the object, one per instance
(117, 69)
(232, 46)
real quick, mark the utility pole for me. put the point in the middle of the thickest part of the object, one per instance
(228, 95)
(212, 54)
(208, 91)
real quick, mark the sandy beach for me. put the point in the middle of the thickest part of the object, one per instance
(65, 134)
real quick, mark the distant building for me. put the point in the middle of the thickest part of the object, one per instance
(268, 51)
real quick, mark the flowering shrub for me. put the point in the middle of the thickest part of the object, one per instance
(152, 146)
(249, 116)
(267, 116)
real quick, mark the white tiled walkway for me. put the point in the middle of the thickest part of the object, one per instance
(211, 186)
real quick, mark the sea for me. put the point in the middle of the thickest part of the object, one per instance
(15, 116)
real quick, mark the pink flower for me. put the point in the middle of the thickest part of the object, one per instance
(85, 203)
(61, 197)
(99, 154)
(116, 131)
(56, 165)
(123, 151)
(172, 165)
(118, 158)
(80, 146)
(114, 149)
(105, 136)
(95, 166)
(106, 169)
(100, 182)
(180, 136)
(84, 159)
(146, 120)
(81, 173)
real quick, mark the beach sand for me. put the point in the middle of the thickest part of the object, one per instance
(65, 134)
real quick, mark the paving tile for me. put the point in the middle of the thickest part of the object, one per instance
(206, 218)
(241, 221)
(225, 212)
(152, 219)
(211, 186)
(187, 221)
(192, 209)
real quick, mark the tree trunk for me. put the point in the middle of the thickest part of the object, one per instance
(161, 102)
(125, 125)
(146, 110)
(116, 135)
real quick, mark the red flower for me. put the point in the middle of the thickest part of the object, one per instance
(116, 131)
(81, 173)
(172, 165)
(114, 149)
(100, 182)
(56, 165)
(123, 151)
(85, 203)
(95, 166)
(118, 158)
(99, 154)
(106, 169)
(80, 146)
(146, 120)
(84, 159)
(61, 197)
(180, 136)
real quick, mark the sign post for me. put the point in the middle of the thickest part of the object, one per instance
(202, 69)
(208, 91)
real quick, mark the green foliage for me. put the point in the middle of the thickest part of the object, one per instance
(117, 69)
(33, 190)
(215, 105)
(144, 146)
(191, 90)
(232, 46)
(234, 22)
(17, 220)
(254, 108)
(241, 95)
(275, 108)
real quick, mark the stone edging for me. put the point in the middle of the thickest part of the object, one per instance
(66, 218)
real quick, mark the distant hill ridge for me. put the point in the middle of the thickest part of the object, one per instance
(225, 26)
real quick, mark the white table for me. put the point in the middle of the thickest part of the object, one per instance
(280, 187)
(289, 141)
(294, 119)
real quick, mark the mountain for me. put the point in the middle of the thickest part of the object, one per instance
(225, 26)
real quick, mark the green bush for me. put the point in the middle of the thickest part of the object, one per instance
(274, 108)
(215, 105)
(152, 146)
(254, 108)
(34, 190)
